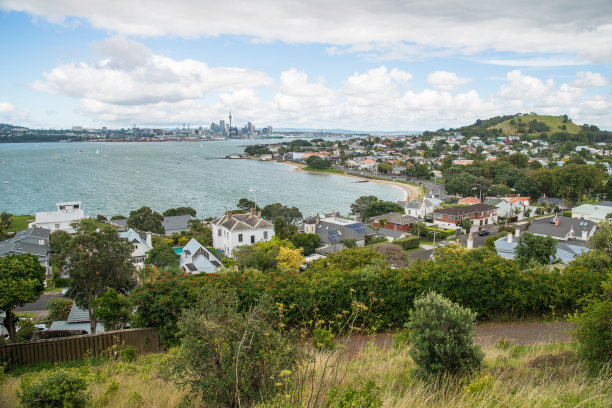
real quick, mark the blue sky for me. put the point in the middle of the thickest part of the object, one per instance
(384, 65)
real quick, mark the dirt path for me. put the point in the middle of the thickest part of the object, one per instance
(488, 334)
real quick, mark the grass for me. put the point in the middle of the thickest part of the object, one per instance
(20, 222)
(554, 122)
(514, 376)
(330, 170)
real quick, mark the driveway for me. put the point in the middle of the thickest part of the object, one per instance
(39, 305)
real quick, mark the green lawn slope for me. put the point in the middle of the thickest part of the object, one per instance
(555, 123)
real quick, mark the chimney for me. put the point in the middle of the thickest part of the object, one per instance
(253, 211)
(470, 241)
(509, 238)
(228, 214)
(258, 214)
(517, 232)
(333, 213)
(317, 219)
(149, 240)
(556, 221)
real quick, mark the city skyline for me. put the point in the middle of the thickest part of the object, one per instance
(388, 66)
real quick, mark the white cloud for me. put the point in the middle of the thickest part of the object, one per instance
(446, 81)
(386, 28)
(6, 107)
(524, 87)
(129, 74)
(587, 79)
(11, 114)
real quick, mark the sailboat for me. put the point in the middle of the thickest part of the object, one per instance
(97, 152)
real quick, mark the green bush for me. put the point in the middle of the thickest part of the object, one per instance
(441, 334)
(128, 354)
(367, 396)
(509, 230)
(62, 282)
(401, 339)
(567, 214)
(26, 329)
(60, 389)
(59, 308)
(323, 339)
(408, 242)
(593, 327)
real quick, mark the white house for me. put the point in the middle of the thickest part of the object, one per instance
(195, 258)
(66, 214)
(595, 213)
(234, 230)
(420, 209)
(141, 246)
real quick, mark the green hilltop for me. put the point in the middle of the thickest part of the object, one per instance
(534, 124)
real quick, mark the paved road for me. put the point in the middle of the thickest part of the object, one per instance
(438, 189)
(40, 304)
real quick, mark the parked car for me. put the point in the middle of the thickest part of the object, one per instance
(483, 233)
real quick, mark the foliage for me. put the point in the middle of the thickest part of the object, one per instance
(394, 254)
(113, 310)
(308, 242)
(261, 255)
(59, 389)
(602, 239)
(96, 261)
(348, 397)
(372, 239)
(180, 211)
(350, 242)
(118, 217)
(59, 308)
(466, 224)
(593, 329)
(21, 281)
(441, 334)
(26, 329)
(281, 228)
(246, 205)
(228, 358)
(537, 248)
(291, 214)
(409, 242)
(162, 256)
(318, 163)
(145, 219)
(5, 223)
(289, 259)
(323, 339)
(384, 167)
(358, 208)
(381, 207)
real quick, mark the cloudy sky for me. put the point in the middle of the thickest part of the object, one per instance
(352, 64)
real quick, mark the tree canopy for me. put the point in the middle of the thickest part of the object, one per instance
(145, 219)
(291, 214)
(180, 211)
(358, 208)
(316, 162)
(162, 256)
(536, 248)
(382, 207)
(21, 281)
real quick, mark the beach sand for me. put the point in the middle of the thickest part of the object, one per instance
(410, 192)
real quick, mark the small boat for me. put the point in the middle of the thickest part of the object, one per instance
(137, 172)
(97, 152)
(7, 182)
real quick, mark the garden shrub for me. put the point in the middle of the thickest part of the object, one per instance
(59, 308)
(323, 339)
(593, 329)
(60, 389)
(509, 230)
(367, 396)
(567, 214)
(228, 358)
(26, 330)
(62, 282)
(401, 339)
(128, 354)
(408, 242)
(441, 334)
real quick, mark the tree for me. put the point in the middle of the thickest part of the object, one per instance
(358, 208)
(145, 219)
(308, 242)
(350, 242)
(466, 224)
(500, 190)
(382, 207)
(441, 334)
(113, 310)
(537, 248)
(385, 167)
(316, 162)
(5, 224)
(180, 211)
(602, 239)
(96, 261)
(162, 256)
(246, 204)
(21, 281)
(280, 227)
(291, 214)
(290, 259)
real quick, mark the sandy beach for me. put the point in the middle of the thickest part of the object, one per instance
(410, 192)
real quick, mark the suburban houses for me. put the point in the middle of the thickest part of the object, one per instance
(479, 214)
(234, 230)
(66, 214)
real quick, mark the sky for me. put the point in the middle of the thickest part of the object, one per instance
(386, 65)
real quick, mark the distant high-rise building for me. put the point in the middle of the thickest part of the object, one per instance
(230, 119)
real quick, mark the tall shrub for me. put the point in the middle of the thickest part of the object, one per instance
(441, 334)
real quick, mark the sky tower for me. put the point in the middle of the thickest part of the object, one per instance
(230, 119)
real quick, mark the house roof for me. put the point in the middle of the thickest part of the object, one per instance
(395, 218)
(469, 200)
(388, 232)
(410, 204)
(234, 222)
(551, 200)
(546, 226)
(338, 229)
(134, 237)
(27, 242)
(565, 251)
(605, 203)
(196, 258)
(176, 222)
(595, 211)
(468, 209)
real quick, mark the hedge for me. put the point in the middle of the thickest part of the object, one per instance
(489, 285)
(410, 242)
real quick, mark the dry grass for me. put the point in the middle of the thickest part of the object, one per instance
(522, 376)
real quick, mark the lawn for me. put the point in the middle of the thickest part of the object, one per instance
(20, 222)
(332, 171)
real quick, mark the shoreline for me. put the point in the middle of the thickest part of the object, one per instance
(410, 192)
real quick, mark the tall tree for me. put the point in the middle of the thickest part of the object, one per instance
(381, 207)
(95, 261)
(180, 211)
(162, 256)
(537, 248)
(145, 219)
(21, 281)
(291, 214)
(358, 208)
(246, 204)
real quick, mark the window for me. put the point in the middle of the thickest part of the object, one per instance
(265, 234)
(452, 217)
(76, 207)
(219, 233)
(438, 216)
(239, 237)
(56, 225)
(252, 239)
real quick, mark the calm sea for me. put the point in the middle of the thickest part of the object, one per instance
(115, 178)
